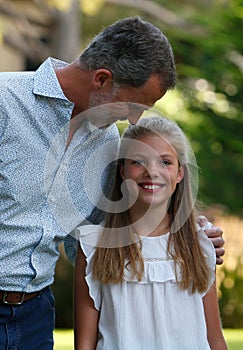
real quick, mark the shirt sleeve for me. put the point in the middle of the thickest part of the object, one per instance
(87, 234)
(3, 122)
(70, 247)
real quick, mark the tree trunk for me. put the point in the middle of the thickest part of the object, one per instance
(65, 38)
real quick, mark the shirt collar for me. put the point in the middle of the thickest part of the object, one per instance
(45, 79)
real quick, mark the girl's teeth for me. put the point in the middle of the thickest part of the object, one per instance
(151, 187)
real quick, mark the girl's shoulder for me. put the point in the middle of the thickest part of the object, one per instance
(207, 247)
(210, 255)
(88, 237)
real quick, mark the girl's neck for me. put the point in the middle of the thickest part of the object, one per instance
(153, 222)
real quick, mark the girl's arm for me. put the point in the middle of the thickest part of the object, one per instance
(85, 314)
(214, 330)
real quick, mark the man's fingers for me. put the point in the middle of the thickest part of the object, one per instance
(202, 220)
(214, 232)
(204, 223)
(218, 242)
(219, 261)
(219, 252)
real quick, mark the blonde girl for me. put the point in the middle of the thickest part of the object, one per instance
(145, 280)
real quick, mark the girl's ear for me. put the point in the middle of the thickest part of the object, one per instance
(180, 174)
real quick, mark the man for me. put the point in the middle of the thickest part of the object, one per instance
(129, 61)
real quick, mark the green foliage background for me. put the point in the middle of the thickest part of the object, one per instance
(207, 102)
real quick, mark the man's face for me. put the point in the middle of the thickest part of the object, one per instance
(138, 100)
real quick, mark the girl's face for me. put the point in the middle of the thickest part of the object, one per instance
(154, 168)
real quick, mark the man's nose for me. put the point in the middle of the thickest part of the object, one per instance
(134, 117)
(135, 112)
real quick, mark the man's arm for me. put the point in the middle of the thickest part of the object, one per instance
(215, 234)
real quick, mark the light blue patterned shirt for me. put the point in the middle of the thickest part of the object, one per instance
(44, 187)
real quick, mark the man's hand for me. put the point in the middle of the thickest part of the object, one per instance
(215, 234)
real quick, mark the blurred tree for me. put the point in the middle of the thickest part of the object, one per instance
(231, 299)
(209, 99)
(65, 38)
(41, 28)
(207, 102)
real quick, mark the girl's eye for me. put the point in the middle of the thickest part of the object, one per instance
(165, 162)
(138, 162)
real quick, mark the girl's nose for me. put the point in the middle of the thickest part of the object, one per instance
(152, 170)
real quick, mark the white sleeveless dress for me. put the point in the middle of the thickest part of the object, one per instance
(153, 314)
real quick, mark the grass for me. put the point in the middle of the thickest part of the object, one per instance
(234, 338)
(64, 339)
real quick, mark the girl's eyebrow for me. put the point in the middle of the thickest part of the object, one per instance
(162, 155)
(166, 155)
(136, 155)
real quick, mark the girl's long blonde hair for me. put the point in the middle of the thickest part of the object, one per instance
(112, 256)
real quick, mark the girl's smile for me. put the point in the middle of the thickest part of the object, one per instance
(150, 186)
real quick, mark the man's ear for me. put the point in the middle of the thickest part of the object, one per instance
(180, 174)
(102, 78)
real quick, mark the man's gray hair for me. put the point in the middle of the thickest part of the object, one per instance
(132, 49)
